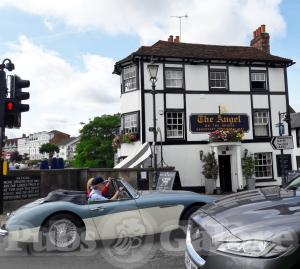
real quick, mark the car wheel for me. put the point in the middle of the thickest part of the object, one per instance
(62, 232)
(188, 213)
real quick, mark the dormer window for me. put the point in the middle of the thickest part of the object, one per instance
(129, 78)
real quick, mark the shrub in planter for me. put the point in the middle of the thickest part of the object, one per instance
(210, 171)
(248, 168)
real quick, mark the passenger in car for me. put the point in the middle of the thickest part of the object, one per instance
(89, 186)
(98, 185)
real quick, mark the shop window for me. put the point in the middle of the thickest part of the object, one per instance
(261, 123)
(129, 78)
(130, 123)
(258, 80)
(263, 165)
(175, 124)
(218, 79)
(174, 78)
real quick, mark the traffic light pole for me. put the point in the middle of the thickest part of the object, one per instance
(3, 92)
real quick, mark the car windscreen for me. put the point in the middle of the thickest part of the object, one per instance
(294, 185)
(133, 191)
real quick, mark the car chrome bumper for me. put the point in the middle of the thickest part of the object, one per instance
(191, 252)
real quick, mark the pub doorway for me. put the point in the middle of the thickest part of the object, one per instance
(225, 173)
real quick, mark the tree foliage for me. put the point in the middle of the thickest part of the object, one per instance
(94, 149)
(248, 166)
(49, 148)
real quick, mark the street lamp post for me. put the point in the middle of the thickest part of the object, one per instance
(152, 69)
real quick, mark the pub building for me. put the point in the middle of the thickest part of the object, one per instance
(200, 89)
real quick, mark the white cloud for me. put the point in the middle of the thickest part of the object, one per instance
(213, 21)
(62, 96)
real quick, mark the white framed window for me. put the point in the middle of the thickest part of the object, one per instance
(258, 80)
(263, 165)
(129, 78)
(174, 78)
(175, 124)
(261, 123)
(218, 79)
(130, 123)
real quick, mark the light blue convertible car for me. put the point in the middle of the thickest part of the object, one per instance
(64, 218)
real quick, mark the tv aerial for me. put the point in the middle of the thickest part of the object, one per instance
(180, 18)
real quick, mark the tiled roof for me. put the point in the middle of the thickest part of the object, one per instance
(205, 52)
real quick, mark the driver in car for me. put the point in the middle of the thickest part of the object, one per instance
(98, 185)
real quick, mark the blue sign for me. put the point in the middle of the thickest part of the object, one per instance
(206, 123)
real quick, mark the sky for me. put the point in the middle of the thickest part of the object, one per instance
(67, 48)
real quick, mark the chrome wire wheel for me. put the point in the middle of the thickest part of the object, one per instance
(62, 233)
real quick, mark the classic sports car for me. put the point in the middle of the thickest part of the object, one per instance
(64, 218)
(252, 229)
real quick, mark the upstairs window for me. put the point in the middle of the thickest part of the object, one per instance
(174, 78)
(261, 123)
(258, 81)
(175, 124)
(218, 79)
(130, 123)
(129, 78)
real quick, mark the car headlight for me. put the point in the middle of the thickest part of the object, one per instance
(193, 234)
(253, 248)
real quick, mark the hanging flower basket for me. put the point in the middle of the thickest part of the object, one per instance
(124, 138)
(226, 135)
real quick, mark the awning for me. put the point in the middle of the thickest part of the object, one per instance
(135, 159)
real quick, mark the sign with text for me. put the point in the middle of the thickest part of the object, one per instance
(205, 123)
(168, 180)
(282, 142)
(21, 187)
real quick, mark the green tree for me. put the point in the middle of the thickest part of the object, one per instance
(94, 149)
(210, 166)
(50, 149)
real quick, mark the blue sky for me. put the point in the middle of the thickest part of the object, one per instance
(68, 52)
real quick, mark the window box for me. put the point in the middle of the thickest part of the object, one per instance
(226, 135)
(124, 138)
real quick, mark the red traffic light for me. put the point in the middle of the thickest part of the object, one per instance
(10, 106)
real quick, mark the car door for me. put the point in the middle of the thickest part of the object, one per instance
(117, 218)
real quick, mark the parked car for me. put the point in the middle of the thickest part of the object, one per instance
(65, 217)
(251, 229)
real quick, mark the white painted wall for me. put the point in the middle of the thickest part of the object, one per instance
(239, 78)
(174, 100)
(278, 103)
(130, 101)
(276, 79)
(196, 77)
(260, 101)
(149, 115)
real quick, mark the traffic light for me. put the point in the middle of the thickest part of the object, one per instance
(12, 117)
(13, 105)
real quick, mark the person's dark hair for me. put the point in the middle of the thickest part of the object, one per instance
(98, 180)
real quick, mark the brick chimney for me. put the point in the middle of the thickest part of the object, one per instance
(170, 39)
(176, 39)
(261, 39)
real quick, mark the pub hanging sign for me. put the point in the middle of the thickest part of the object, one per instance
(205, 123)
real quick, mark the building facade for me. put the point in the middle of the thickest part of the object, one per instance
(10, 146)
(67, 148)
(200, 89)
(30, 145)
